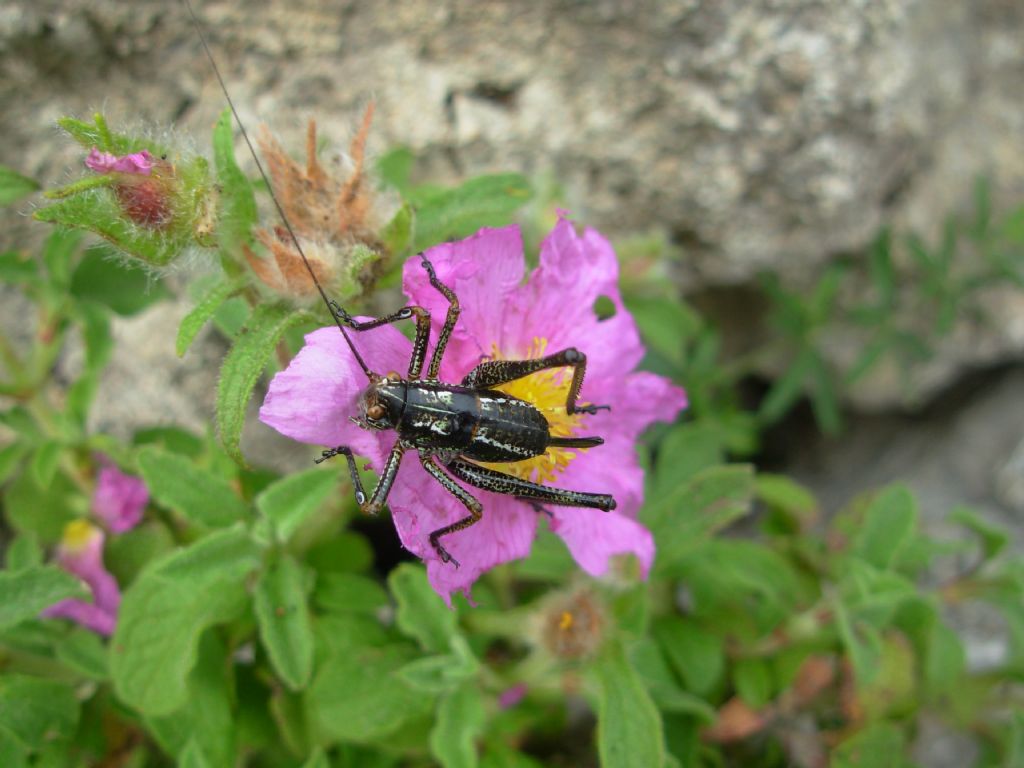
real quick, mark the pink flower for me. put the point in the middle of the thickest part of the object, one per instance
(313, 399)
(138, 163)
(119, 499)
(81, 553)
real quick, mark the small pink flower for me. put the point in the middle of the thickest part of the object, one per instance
(138, 163)
(81, 553)
(512, 696)
(314, 397)
(119, 499)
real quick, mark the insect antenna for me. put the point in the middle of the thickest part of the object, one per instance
(273, 196)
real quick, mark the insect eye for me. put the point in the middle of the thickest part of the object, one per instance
(375, 412)
(393, 376)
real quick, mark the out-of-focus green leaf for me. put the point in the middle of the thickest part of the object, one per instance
(34, 711)
(201, 313)
(292, 500)
(237, 209)
(284, 622)
(422, 613)
(14, 186)
(880, 745)
(485, 201)
(349, 593)
(629, 729)
(753, 681)
(167, 608)
(84, 652)
(889, 523)
(697, 656)
(195, 494)
(25, 593)
(993, 538)
(103, 277)
(43, 511)
(460, 721)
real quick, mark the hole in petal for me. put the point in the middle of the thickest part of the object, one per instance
(604, 308)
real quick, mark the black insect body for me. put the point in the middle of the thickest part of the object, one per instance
(449, 426)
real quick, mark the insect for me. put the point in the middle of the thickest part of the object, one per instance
(451, 427)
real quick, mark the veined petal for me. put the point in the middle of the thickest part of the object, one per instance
(483, 270)
(420, 505)
(314, 397)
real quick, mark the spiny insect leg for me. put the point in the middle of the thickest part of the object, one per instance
(473, 505)
(449, 321)
(387, 477)
(510, 485)
(419, 344)
(491, 373)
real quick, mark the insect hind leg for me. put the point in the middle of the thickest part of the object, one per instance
(510, 485)
(472, 504)
(575, 442)
(454, 309)
(492, 373)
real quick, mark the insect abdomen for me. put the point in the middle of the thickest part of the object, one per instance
(508, 429)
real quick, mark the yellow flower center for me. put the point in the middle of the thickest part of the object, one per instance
(77, 535)
(547, 391)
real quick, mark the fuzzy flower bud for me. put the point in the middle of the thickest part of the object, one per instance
(119, 499)
(335, 220)
(573, 626)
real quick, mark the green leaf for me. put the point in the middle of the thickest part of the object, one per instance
(165, 611)
(34, 711)
(85, 653)
(43, 465)
(880, 745)
(666, 325)
(192, 756)
(993, 538)
(195, 494)
(242, 368)
(349, 593)
(14, 186)
(753, 681)
(58, 251)
(394, 168)
(290, 501)
(421, 612)
(890, 523)
(104, 277)
(696, 655)
(201, 313)
(945, 660)
(486, 201)
(629, 730)
(25, 593)
(41, 510)
(445, 673)
(317, 760)
(356, 694)
(460, 720)
(18, 267)
(688, 516)
(206, 720)
(237, 214)
(10, 459)
(784, 495)
(787, 389)
(397, 233)
(686, 450)
(283, 619)
(24, 552)
(824, 400)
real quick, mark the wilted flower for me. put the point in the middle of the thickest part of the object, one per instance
(119, 499)
(335, 220)
(81, 553)
(313, 399)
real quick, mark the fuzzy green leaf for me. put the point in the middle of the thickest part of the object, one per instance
(97, 134)
(697, 656)
(25, 593)
(238, 212)
(753, 681)
(195, 494)
(486, 201)
(14, 186)
(202, 312)
(18, 267)
(283, 618)
(629, 730)
(85, 652)
(290, 501)
(460, 720)
(44, 462)
(242, 368)
(35, 711)
(421, 612)
(165, 611)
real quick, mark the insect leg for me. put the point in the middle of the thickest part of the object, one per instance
(510, 485)
(491, 373)
(387, 476)
(419, 344)
(449, 321)
(473, 505)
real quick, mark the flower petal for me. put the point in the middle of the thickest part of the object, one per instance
(313, 398)
(138, 163)
(594, 537)
(483, 270)
(86, 614)
(420, 505)
(119, 499)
